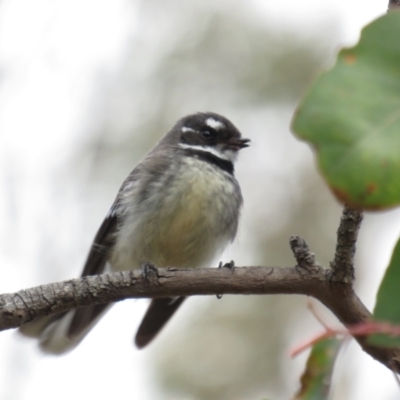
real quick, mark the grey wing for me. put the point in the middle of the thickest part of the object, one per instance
(104, 240)
(94, 265)
(102, 244)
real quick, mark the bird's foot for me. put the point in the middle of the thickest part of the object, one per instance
(230, 266)
(149, 271)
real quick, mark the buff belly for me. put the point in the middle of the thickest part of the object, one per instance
(188, 226)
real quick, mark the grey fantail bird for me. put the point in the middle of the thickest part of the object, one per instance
(178, 208)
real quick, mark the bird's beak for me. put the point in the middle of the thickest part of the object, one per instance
(237, 144)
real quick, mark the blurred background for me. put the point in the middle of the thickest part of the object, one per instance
(86, 89)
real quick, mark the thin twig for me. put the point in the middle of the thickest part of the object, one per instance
(301, 251)
(343, 263)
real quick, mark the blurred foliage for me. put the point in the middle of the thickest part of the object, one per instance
(387, 307)
(350, 116)
(317, 378)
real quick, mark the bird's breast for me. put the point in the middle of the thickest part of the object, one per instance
(187, 221)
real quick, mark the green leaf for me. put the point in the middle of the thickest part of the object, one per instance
(316, 379)
(387, 307)
(351, 116)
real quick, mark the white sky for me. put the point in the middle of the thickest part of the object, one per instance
(50, 53)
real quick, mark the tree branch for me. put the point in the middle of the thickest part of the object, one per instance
(343, 264)
(27, 305)
(31, 304)
(306, 278)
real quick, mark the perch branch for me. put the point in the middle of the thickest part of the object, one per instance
(306, 278)
(31, 304)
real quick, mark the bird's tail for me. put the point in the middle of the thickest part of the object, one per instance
(157, 315)
(61, 333)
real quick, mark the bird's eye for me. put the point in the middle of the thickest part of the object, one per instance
(208, 134)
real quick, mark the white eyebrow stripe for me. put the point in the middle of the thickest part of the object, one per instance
(186, 129)
(216, 152)
(213, 123)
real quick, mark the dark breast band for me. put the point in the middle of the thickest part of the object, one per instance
(225, 165)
